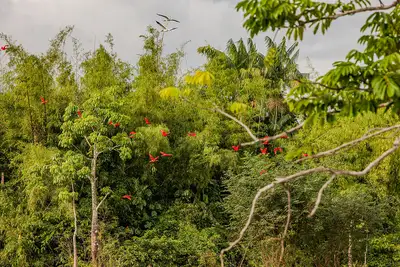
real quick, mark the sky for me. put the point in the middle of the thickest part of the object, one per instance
(33, 22)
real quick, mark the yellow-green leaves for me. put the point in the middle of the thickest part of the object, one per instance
(169, 92)
(237, 107)
(200, 78)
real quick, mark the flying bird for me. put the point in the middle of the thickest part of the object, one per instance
(159, 23)
(276, 149)
(153, 159)
(165, 28)
(191, 134)
(4, 47)
(167, 18)
(164, 133)
(132, 134)
(44, 102)
(236, 148)
(127, 197)
(163, 154)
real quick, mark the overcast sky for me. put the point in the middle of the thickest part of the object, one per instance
(214, 22)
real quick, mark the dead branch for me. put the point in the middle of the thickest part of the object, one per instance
(289, 214)
(348, 144)
(282, 180)
(319, 197)
(101, 202)
(239, 122)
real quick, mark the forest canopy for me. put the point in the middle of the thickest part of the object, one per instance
(244, 161)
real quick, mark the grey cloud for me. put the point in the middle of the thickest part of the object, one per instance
(33, 22)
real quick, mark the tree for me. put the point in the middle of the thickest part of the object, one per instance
(360, 84)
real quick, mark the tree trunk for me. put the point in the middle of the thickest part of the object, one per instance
(2, 178)
(75, 229)
(349, 252)
(95, 223)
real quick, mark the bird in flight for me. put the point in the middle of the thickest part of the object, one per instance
(165, 28)
(167, 18)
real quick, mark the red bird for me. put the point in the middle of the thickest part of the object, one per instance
(191, 134)
(44, 102)
(164, 133)
(236, 148)
(163, 154)
(117, 125)
(147, 121)
(4, 47)
(305, 155)
(276, 149)
(110, 123)
(153, 159)
(265, 139)
(263, 151)
(79, 113)
(132, 134)
(284, 136)
(262, 172)
(127, 197)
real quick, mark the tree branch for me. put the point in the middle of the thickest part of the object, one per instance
(351, 12)
(282, 180)
(239, 122)
(319, 197)
(289, 214)
(101, 202)
(349, 144)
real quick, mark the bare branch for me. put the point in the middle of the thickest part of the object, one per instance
(321, 191)
(351, 12)
(349, 144)
(87, 141)
(239, 122)
(282, 180)
(289, 214)
(270, 138)
(101, 202)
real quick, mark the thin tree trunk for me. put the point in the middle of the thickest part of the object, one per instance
(2, 178)
(75, 229)
(95, 223)
(366, 252)
(349, 252)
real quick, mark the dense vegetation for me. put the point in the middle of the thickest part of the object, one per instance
(109, 164)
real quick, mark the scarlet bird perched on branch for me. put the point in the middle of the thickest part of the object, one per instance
(44, 102)
(153, 159)
(110, 123)
(4, 47)
(163, 154)
(117, 125)
(284, 136)
(147, 121)
(191, 134)
(79, 113)
(265, 139)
